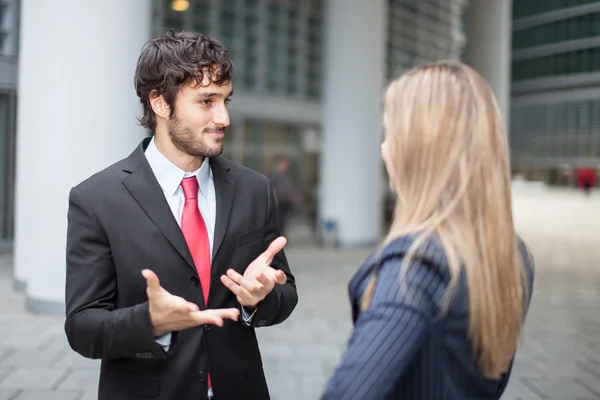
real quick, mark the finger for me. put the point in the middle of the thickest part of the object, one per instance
(231, 285)
(249, 285)
(241, 293)
(275, 247)
(280, 277)
(151, 280)
(226, 313)
(203, 318)
(215, 317)
(262, 278)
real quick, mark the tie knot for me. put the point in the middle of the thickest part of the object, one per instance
(190, 187)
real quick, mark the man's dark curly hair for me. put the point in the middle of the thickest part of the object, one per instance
(173, 60)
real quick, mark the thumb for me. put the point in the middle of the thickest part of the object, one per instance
(151, 280)
(275, 247)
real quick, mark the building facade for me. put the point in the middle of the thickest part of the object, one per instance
(555, 108)
(281, 56)
(309, 78)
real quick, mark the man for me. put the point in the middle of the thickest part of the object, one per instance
(286, 194)
(177, 211)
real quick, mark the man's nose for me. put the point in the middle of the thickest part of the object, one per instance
(221, 116)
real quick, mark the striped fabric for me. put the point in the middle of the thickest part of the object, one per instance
(403, 346)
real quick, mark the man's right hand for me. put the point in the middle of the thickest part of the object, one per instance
(170, 313)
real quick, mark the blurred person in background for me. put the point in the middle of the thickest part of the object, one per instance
(286, 194)
(206, 226)
(439, 308)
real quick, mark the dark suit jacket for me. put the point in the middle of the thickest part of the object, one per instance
(120, 223)
(403, 346)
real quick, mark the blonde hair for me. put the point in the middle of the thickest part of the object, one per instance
(449, 166)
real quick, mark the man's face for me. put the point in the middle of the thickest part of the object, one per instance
(198, 124)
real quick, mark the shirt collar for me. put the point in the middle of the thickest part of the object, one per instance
(169, 176)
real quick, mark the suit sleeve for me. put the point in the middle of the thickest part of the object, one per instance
(94, 328)
(387, 336)
(279, 304)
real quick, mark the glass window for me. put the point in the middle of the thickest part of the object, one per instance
(578, 27)
(583, 129)
(596, 59)
(571, 131)
(595, 128)
(573, 63)
(560, 122)
(585, 64)
(6, 166)
(526, 8)
(173, 19)
(201, 20)
(273, 70)
(313, 78)
(595, 22)
(573, 28)
(425, 31)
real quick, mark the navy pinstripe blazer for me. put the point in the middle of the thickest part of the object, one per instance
(403, 346)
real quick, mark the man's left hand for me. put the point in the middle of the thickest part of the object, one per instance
(258, 279)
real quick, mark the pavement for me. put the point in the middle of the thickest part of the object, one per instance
(559, 357)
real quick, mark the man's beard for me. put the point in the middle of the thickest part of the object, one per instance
(186, 141)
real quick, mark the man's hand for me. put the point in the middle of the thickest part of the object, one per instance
(258, 279)
(170, 313)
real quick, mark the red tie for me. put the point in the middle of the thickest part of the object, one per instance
(196, 235)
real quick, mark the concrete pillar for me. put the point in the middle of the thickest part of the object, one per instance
(77, 112)
(488, 47)
(351, 167)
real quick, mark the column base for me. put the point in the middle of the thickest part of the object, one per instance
(44, 306)
(19, 285)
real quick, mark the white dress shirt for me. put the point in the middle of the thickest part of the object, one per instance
(169, 176)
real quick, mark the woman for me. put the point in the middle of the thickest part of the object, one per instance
(439, 307)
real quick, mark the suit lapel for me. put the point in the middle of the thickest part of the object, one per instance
(146, 190)
(224, 191)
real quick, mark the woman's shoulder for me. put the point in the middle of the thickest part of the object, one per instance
(427, 264)
(425, 251)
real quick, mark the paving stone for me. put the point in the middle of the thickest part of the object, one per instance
(560, 388)
(40, 378)
(81, 379)
(49, 395)
(8, 394)
(517, 390)
(31, 358)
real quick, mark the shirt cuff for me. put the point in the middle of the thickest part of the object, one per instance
(247, 316)
(164, 341)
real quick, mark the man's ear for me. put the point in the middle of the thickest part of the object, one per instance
(159, 105)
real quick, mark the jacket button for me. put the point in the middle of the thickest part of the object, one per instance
(206, 328)
(201, 376)
(195, 280)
